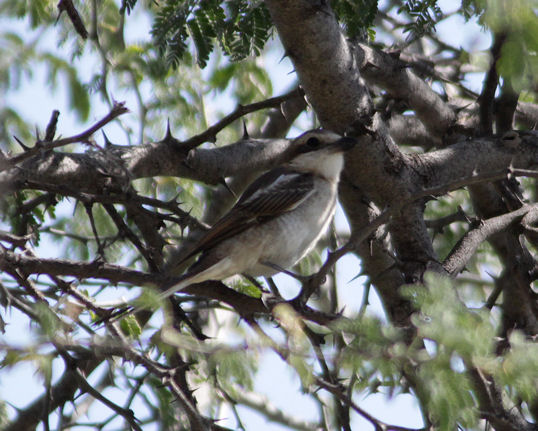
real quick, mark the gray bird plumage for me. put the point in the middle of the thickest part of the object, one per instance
(278, 219)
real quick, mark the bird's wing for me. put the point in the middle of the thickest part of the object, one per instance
(276, 192)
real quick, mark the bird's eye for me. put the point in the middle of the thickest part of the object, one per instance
(313, 142)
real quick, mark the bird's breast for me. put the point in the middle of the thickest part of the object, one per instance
(286, 239)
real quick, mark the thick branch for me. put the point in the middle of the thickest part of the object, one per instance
(111, 169)
(467, 246)
(323, 61)
(394, 76)
(478, 156)
(409, 130)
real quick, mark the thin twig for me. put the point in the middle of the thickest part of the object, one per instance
(210, 135)
(127, 414)
(338, 391)
(117, 109)
(17, 241)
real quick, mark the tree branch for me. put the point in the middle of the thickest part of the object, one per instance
(492, 404)
(322, 43)
(467, 246)
(393, 75)
(338, 391)
(210, 135)
(117, 109)
(487, 97)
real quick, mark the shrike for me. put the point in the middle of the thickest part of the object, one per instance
(278, 219)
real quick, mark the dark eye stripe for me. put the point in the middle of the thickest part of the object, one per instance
(313, 142)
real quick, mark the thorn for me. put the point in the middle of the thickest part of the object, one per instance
(117, 105)
(168, 135)
(174, 200)
(37, 134)
(281, 110)
(245, 131)
(227, 187)
(51, 127)
(493, 276)
(107, 141)
(359, 274)
(24, 147)
(169, 138)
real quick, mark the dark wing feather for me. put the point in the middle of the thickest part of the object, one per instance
(276, 192)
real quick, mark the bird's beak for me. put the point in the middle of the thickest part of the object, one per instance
(345, 143)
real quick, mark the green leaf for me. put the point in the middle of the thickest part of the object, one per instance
(130, 326)
(449, 400)
(12, 357)
(221, 77)
(424, 15)
(446, 320)
(241, 29)
(167, 416)
(246, 288)
(518, 368)
(149, 299)
(4, 417)
(128, 5)
(48, 321)
(234, 366)
(202, 40)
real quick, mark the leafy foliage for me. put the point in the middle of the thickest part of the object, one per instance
(424, 15)
(356, 15)
(240, 27)
(128, 5)
(472, 8)
(38, 11)
(517, 21)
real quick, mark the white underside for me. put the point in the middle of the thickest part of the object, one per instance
(282, 241)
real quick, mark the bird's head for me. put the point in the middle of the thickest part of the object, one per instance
(320, 152)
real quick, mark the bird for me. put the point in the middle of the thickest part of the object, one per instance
(277, 220)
